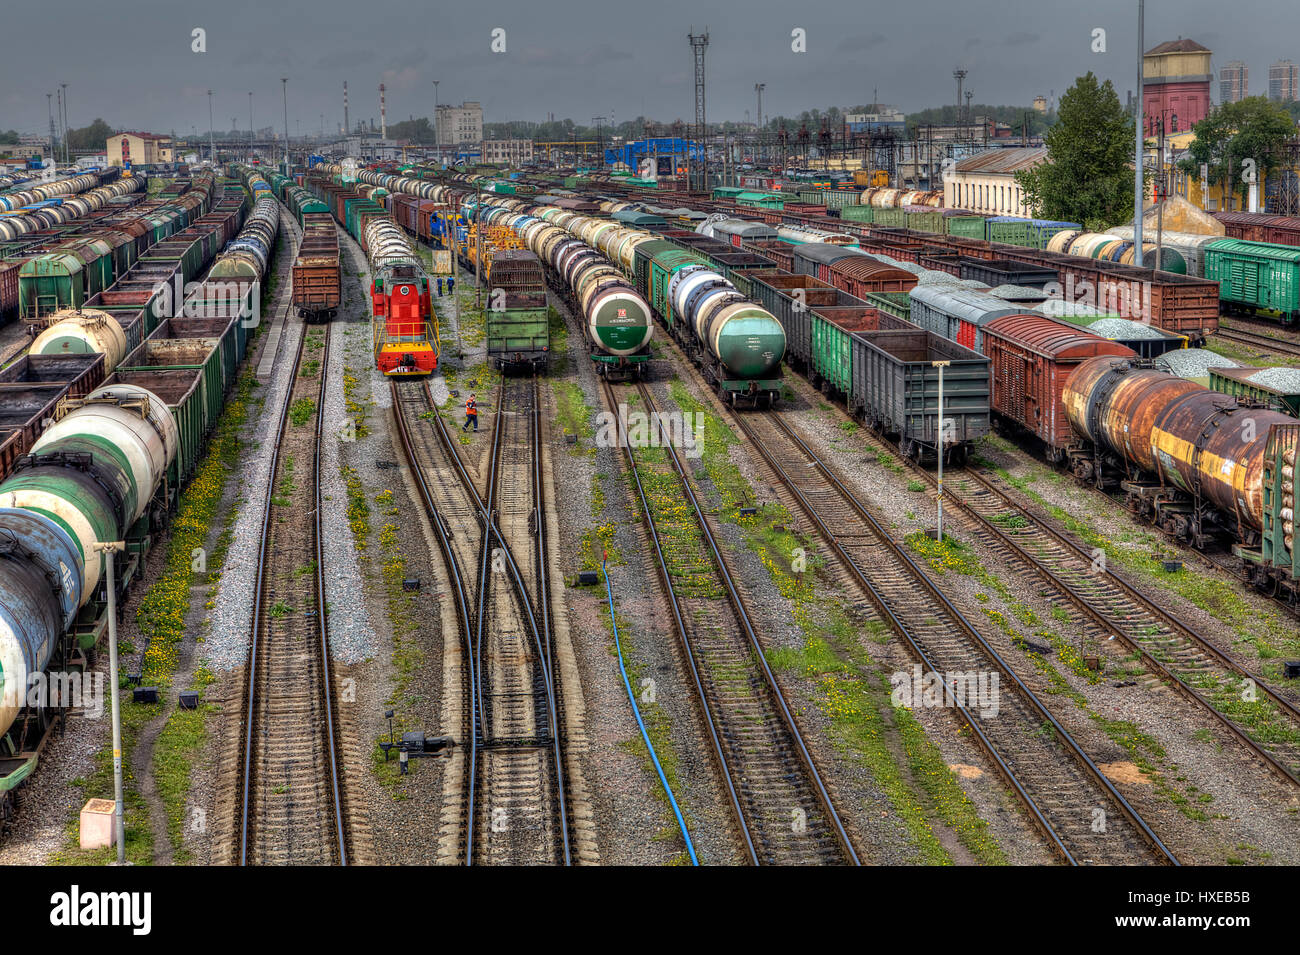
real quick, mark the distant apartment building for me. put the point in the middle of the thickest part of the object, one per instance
(138, 149)
(1282, 82)
(460, 124)
(1234, 82)
(1040, 104)
(508, 152)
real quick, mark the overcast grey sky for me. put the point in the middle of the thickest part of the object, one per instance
(131, 62)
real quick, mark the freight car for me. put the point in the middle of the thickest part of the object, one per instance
(518, 319)
(1032, 358)
(109, 469)
(1256, 276)
(317, 281)
(896, 388)
(739, 345)
(1200, 465)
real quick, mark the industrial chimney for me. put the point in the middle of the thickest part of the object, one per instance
(383, 114)
(347, 128)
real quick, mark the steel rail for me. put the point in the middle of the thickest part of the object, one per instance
(491, 531)
(322, 623)
(760, 657)
(956, 615)
(444, 536)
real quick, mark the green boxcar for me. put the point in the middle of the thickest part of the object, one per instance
(181, 389)
(518, 331)
(58, 280)
(1277, 552)
(841, 198)
(858, 213)
(1256, 275)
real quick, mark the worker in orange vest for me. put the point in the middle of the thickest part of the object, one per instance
(471, 413)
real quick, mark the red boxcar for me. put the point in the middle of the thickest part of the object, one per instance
(1031, 358)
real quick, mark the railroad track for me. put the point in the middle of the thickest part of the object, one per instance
(291, 798)
(781, 807)
(1260, 341)
(1102, 605)
(515, 799)
(1062, 789)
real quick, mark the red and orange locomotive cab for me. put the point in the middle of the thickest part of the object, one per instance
(405, 330)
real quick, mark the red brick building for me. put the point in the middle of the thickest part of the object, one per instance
(1176, 79)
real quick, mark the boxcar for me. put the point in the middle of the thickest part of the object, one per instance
(1256, 276)
(1031, 357)
(895, 389)
(956, 313)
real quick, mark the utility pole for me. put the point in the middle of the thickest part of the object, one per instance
(284, 94)
(212, 149)
(700, 43)
(250, 125)
(941, 365)
(1138, 177)
(49, 106)
(436, 148)
(109, 549)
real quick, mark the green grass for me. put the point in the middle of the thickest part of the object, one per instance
(574, 415)
(302, 411)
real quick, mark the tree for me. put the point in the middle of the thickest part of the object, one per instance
(94, 136)
(8, 137)
(1253, 128)
(1087, 176)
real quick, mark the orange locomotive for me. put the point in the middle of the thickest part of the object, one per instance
(405, 328)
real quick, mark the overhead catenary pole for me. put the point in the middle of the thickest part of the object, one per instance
(1138, 125)
(212, 149)
(437, 151)
(250, 124)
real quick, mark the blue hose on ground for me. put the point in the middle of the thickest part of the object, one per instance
(663, 780)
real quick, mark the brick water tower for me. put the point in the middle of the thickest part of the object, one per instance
(1176, 79)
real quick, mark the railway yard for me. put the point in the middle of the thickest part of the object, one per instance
(705, 499)
(641, 614)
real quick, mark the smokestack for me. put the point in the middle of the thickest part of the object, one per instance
(383, 114)
(347, 128)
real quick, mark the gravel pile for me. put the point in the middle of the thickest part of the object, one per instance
(1059, 308)
(1018, 293)
(1124, 328)
(1192, 362)
(1285, 380)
